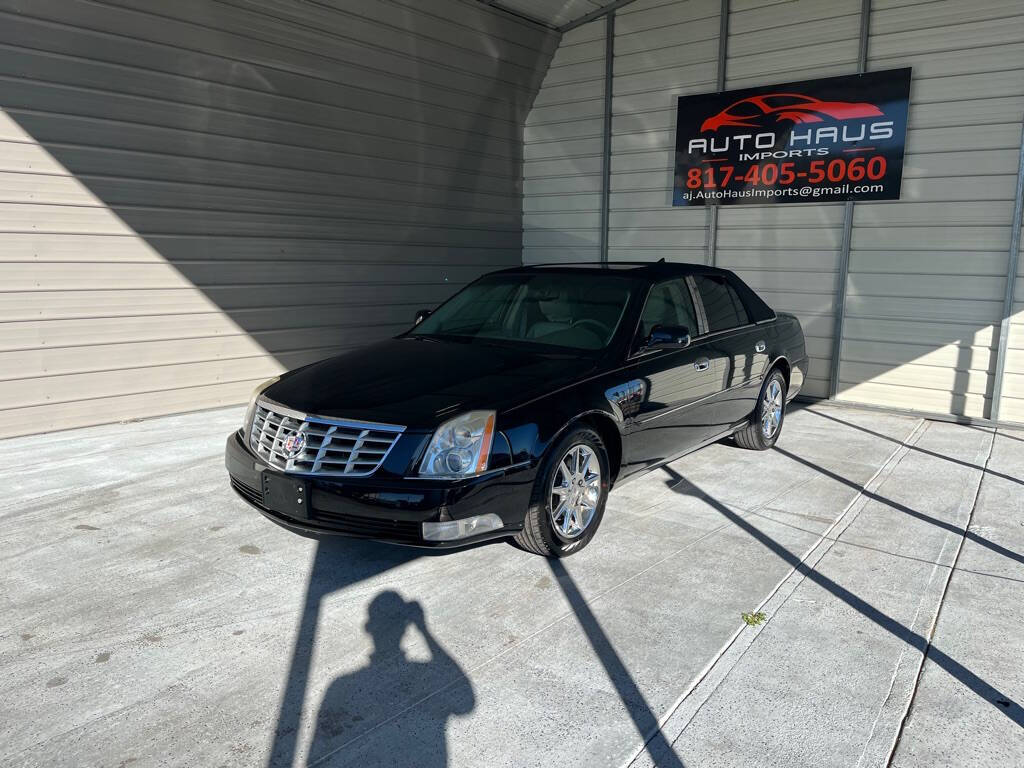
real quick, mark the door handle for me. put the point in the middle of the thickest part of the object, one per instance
(759, 347)
(702, 365)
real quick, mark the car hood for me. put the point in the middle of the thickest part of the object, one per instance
(420, 382)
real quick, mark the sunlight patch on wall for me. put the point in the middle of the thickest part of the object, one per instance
(93, 320)
(1012, 406)
(940, 376)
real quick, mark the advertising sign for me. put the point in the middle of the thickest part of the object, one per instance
(839, 138)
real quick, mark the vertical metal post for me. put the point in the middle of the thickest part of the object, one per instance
(844, 248)
(723, 47)
(723, 42)
(606, 155)
(1011, 280)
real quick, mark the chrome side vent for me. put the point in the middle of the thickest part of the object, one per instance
(315, 445)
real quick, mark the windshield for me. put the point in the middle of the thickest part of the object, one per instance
(575, 311)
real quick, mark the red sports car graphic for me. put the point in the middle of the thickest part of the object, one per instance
(762, 111)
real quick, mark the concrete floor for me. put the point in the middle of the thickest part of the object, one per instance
(151, 618)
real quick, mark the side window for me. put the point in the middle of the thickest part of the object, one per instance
(722, 305)
(668, 303)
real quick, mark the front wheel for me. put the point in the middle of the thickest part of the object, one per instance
(569, 496)
(766, 421)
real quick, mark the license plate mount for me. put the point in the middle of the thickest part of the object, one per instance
(286, 495)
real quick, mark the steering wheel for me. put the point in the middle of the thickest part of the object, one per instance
(603, 330)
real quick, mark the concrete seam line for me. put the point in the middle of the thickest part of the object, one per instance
(942, 600)
(669, 556)
(519, 644)
(703, 685)
(870, 752)
(829, 538)
(557, 620)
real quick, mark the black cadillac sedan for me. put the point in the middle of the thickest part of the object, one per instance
(516, 406)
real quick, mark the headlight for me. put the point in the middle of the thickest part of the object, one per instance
(251, 410)
(460, 447)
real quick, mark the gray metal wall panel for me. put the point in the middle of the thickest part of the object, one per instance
(195, 195)
(928, 274)
(790, 254)
(1011, 407)
(562, 153)
(664, 50)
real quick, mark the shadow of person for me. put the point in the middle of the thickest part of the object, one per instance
(390, 683)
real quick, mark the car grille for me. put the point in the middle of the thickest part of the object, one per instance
(319, 446)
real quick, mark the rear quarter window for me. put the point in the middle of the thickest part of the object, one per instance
(723, 306)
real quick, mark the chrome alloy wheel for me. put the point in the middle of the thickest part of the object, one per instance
(771, 409)
(575, 490)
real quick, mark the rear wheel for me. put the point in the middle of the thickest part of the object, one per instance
(569, 496)
(766, 421)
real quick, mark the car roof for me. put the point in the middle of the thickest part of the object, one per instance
(644, 270)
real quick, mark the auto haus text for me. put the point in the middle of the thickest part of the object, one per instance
(802, 142)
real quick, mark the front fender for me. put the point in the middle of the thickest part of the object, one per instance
(545, 421)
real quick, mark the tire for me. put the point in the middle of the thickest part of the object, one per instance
(753, 436)
(554, 535)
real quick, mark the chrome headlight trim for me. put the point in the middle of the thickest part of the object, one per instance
(461, 447)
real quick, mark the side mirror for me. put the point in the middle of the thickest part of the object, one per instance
(422, 315)
(668, 337)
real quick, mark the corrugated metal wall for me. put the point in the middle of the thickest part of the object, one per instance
(790, 253)
(562, 153)
(194, 195)
(663, 51)
(553, 12)
(927, 273)
(1011, 407)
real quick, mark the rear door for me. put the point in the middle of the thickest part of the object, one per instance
(675, 409)
(734, 340)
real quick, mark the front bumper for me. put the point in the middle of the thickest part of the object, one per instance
(391, 510)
